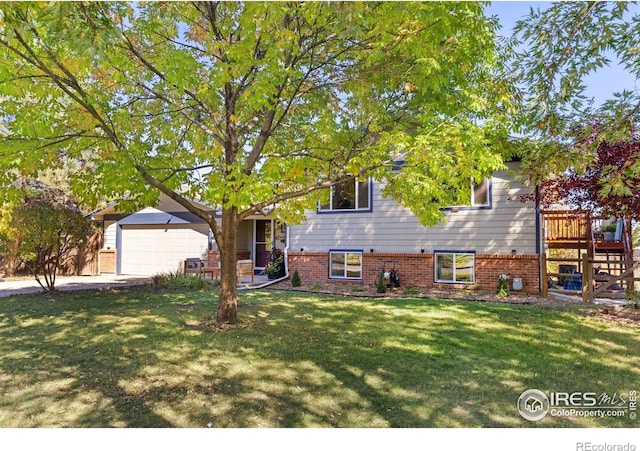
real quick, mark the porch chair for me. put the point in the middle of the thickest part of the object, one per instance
(244, 268)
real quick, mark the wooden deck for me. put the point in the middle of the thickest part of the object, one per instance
(595, 257)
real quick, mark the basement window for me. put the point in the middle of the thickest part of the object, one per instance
(345, 264)
(455, 267)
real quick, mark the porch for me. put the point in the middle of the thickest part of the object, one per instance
(248, 275)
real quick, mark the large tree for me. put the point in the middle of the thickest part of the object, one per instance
(558, 46)
(247, 106)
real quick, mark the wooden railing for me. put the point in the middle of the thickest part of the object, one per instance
(619, 286)
(566, 225)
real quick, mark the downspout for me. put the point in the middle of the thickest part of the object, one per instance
(286, 267)
(540, 248)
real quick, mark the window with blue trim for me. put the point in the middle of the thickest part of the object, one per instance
(479, 197)
(455, 267)
(345, 264)
(349, 195)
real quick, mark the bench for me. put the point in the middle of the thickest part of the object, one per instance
(198, 266)
(244, 268)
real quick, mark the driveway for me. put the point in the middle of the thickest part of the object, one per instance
(10, 288)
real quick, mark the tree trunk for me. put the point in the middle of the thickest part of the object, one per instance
(228, 300)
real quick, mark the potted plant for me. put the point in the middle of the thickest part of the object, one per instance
(609, 232)
(275, 264)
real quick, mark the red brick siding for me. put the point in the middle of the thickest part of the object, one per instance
(489, 268)
(416, 270)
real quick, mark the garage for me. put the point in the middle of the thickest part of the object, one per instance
(153, 249)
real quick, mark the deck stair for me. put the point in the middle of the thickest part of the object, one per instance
(579, 231)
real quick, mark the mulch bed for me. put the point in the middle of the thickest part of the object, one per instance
(621, 314)
(350, 289)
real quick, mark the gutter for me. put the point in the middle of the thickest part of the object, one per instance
(286, 269)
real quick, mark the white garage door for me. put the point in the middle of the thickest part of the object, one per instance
(149, 250)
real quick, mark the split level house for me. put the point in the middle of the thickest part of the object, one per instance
(352, 239)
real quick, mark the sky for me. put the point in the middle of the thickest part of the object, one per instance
(601, 85)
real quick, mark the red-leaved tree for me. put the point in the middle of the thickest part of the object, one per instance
(609, 187)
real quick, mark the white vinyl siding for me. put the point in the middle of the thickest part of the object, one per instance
(510, 225)
(109, 237)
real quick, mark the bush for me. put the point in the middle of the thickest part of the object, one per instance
(179, 281)
(275, 264)
(381, 286)
(503, 286)
(160, 282)
(295, 279)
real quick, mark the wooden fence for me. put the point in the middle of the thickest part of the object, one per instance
(618, 282)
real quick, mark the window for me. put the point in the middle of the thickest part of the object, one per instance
(345, 264)
(480, 194)
(479, 197)
(455, 267)
(349, 196)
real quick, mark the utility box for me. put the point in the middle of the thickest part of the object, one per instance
(517, 284)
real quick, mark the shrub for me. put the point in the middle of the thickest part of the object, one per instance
(295, 279)
(160, 281)
(381, 286)
(275, 263)
(179, 281)
(503, 286)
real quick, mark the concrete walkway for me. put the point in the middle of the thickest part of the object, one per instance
(69, 283)
(10, 288)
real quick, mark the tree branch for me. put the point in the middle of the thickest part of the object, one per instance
(199, 212)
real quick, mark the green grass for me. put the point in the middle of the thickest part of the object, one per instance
(126, 359)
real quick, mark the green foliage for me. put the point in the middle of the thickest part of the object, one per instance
(503, 286)
(254, 104)
(155, 107)
(47, 229)
(563, 43)
(160, 281)
(381, 284)
(295, 279)
(177, 280)
(412, 291)
(608, 228)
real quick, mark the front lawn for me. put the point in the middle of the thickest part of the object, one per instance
(127, 359)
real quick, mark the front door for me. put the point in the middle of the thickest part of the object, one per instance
(263, 242)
